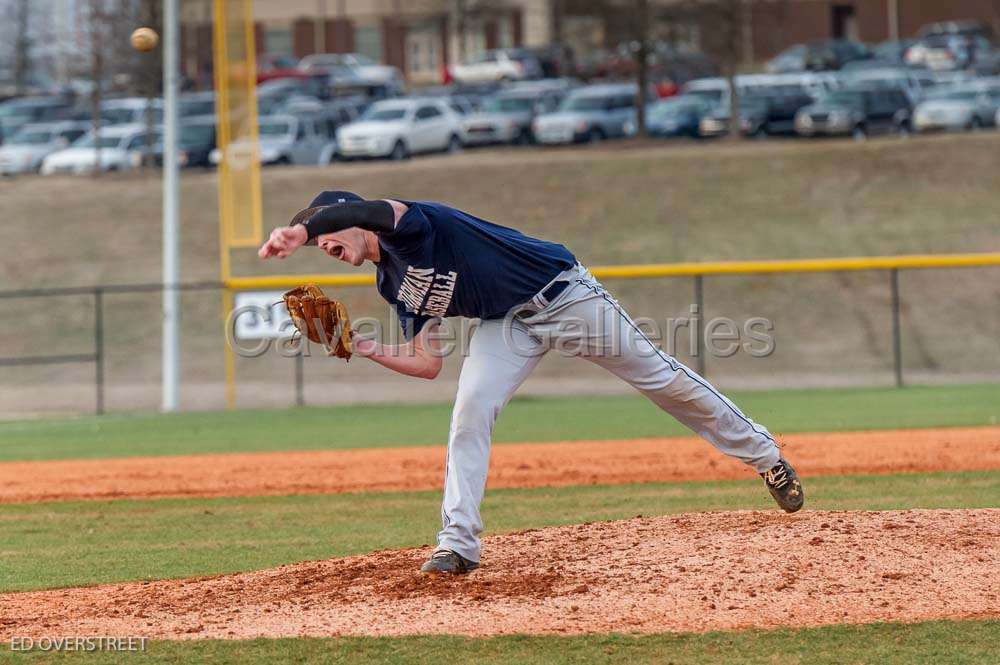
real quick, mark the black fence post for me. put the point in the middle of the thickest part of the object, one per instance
(300, 394)
(699, 303)
(99, 349)
(897, 346)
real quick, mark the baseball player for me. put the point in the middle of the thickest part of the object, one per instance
(531, 296)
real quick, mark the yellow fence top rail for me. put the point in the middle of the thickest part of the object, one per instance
(642, 271)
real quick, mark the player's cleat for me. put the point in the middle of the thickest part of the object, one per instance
(446, 561)
(783, 484)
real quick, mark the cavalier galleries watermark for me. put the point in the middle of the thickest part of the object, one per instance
(260, 325)
(77, 643)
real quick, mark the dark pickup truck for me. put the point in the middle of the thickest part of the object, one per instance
(764, 110)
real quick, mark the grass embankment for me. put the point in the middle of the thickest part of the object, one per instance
(689, 202)
(676, 203)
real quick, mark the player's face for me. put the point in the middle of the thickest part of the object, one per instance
(347, 246)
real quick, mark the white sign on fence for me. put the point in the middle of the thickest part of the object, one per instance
(261, 315)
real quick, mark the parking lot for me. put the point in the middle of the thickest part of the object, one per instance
(329, 108)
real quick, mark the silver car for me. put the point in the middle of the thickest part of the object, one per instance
(288, 139)
(506, 117)
(24, 152)
(957, 109)
(589, 114)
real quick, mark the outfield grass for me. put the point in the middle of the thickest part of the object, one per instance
(534, 420)
(48, 545)
(928, 643)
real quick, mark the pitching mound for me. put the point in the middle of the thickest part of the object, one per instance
(513, 465)
(691, 572)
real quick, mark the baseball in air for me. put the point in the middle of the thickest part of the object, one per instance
(144, 39)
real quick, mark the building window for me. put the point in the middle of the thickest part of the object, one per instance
(368, 41)
(278, 41)
(505, 32)
(422, 47)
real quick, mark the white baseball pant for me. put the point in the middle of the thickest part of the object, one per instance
(585, 321)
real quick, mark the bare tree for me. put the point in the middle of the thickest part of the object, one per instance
(726, 29)
(113, 64)
(467, 13)
(148, 71)
(97, 21)
(641, 32)
(22, 45)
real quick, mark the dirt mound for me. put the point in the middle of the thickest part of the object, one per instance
(696, 571)
(513, 465)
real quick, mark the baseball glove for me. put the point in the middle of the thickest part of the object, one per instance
(322, 320)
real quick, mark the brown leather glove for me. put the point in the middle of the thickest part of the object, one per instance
(322, 320)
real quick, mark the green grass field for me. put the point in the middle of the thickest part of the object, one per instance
(535, 420)
(62, 544)
(931, 643)
(51, 545)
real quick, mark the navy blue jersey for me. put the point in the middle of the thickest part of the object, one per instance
(440, 261)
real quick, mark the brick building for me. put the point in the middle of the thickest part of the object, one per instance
(421, 36)
(418, 36)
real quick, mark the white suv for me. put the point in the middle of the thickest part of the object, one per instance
(399, 128)
(121, 148)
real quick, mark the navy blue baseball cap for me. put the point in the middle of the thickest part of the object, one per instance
(328, 198)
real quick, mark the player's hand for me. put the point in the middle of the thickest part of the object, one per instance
(283, 242)
(364, 347)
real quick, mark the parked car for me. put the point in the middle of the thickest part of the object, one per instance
(961, 108)
(857, 112)
(678, 116)
(196, 139)
(121, 148)
(512, 64)
(950, 52)
(914, 82)
(287, 139)
(462, 105)
(25, 150)
(272, 95)
(507, 116)
(271, 66)
(131, 110)
(714, 90)
(768, 103)
(824, 55)
(893, 52)
(399, 128)
(664, 62)
(362, 67)
(589, 114)
(556, 60)
(967, 28)
(196, 104)
(772, 112)
(475, 93)
(15, 113)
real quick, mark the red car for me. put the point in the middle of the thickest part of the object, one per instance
(271, 67)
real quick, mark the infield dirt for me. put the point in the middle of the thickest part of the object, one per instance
(689, 572)
(512, 465)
